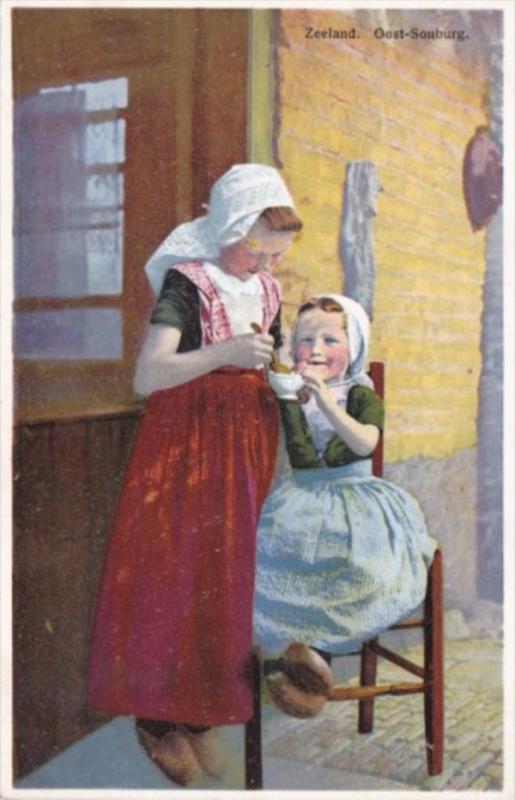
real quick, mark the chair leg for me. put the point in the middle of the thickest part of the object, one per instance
(368, 676)
(253, 752)
(433, 668)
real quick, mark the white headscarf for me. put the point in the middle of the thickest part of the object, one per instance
(236, 201)
(358, 334)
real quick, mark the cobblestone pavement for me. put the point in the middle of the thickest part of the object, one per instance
(396, 748)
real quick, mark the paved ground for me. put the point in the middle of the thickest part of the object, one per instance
(327, 752)
(395, 750)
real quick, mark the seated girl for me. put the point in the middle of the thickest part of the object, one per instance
(342, 555)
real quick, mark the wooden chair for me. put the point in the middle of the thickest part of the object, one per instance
(430, 674)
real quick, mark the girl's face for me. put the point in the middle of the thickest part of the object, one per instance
(321, 343)
(260, 249)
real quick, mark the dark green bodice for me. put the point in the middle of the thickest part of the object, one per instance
(362, 403)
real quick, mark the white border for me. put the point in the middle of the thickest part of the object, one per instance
(6, 370)
(6, 417)
(509, 402)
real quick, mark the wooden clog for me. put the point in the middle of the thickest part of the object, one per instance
(291, 700)
(307, 670)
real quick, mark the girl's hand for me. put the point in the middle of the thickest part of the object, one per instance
(248, 350)
(316, 385)
(360, 437)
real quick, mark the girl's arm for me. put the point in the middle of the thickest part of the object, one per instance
(361, 438)
(160, 366)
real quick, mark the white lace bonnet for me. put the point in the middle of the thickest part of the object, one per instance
(358, 334)
(235, 202)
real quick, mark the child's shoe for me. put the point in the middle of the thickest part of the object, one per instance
(207, 751)
(292, 700)
(307, 670)
(299, 682)
(173, 754)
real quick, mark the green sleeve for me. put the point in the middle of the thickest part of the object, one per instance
(174, 302)
(178, 306)
(366, 407)
(299, 444)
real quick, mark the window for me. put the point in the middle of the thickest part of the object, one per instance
(117, 139)
(69, 144)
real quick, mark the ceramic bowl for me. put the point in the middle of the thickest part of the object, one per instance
(285, 385)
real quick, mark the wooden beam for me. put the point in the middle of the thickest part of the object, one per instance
(408, 623)
(364, 692)
(260, 92)
(395, 658)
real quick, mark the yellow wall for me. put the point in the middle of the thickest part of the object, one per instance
(411, 110)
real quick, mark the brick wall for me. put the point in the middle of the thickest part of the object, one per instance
(409, 107)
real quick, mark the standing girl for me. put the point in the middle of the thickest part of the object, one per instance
(342, 555)
(172, 635)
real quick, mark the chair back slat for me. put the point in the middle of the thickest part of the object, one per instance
(376, 372)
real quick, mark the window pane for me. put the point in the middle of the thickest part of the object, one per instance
(50, 257)
(99, 95)
(105, 94)
(69, 187)
(105, 189)
(105, 142)
(104, 248)
(72, 333)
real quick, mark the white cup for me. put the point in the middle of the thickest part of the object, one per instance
(285, 385)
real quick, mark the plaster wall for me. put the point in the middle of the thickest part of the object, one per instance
(490, 425)
(446, 490)
(490, 415)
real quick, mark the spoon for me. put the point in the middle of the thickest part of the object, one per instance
(258, 329)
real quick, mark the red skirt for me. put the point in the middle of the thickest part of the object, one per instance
(173, 628)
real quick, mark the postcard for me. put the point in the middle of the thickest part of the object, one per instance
(257, 398)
